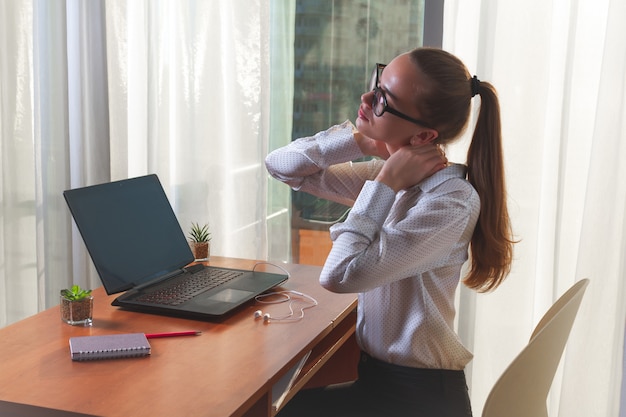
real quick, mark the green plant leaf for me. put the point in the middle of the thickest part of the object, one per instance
(75, 293)
(199, 233)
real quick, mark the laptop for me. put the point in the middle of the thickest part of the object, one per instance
(139, 249)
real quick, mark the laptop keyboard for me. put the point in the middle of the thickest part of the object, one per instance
(178, 291)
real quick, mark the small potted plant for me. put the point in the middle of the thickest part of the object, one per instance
(77, 306)
(199, 238)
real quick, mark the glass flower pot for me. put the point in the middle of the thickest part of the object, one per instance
(201, 251)
(77, 312)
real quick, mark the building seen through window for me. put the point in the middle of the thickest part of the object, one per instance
(337, 43)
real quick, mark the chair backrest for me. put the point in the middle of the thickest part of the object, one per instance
(522, 390)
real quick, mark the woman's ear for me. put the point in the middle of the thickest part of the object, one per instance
(425, 136)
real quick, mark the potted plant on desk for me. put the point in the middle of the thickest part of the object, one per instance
(77, 306)
(199, 241)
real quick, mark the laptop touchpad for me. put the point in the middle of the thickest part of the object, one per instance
(230, 295)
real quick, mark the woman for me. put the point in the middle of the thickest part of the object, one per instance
(413, 218)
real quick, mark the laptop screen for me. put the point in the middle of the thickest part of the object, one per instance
(130, 231)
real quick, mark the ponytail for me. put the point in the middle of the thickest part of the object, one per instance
(492, 243)
(445, 103)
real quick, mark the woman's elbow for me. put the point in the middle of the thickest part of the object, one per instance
(335, 285)
(271, 164)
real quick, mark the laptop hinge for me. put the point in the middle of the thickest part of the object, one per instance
(194, 268)
(159, 279)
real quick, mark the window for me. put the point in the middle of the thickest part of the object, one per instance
(336, 44)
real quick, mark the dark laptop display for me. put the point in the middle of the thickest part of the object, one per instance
(137, 246)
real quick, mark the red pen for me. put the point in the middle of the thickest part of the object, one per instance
(173, 334)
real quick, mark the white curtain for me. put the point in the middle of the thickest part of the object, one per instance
(560, 68)
(189, 91)
(104, 90)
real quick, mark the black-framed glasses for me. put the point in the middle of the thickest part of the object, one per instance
(379, 102)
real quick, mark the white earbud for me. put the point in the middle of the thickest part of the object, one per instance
(266, 317)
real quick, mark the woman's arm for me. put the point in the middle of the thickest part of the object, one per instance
(320, 165)
(381, 242)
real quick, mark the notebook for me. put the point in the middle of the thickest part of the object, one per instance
(111, 346)
(139, 249)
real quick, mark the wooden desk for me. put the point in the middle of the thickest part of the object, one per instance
(229, 370)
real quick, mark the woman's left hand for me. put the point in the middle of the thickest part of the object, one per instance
(410, 165)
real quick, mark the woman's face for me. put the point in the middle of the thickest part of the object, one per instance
(400, 82)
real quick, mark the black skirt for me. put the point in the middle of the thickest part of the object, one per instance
(387, 390)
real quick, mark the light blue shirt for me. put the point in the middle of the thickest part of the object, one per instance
(402, 252)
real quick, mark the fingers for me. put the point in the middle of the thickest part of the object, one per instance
(428, 152)
(371, 147)
(431, 156)
(410, 165)
(442, 154)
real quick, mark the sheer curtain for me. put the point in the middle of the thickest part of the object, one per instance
(98, 91)
(189, 92)
(560, 68)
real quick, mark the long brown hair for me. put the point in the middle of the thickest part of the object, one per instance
(445, 103)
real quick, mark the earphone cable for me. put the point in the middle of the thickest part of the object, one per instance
(286, 296)
(274, 265)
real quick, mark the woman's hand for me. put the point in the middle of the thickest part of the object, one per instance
(371, 147)
(410, 165)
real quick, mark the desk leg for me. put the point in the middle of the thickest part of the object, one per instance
(322, 360)
(262, 408)
(341, 367)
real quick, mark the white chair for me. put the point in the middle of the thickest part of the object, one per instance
(522, 390)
